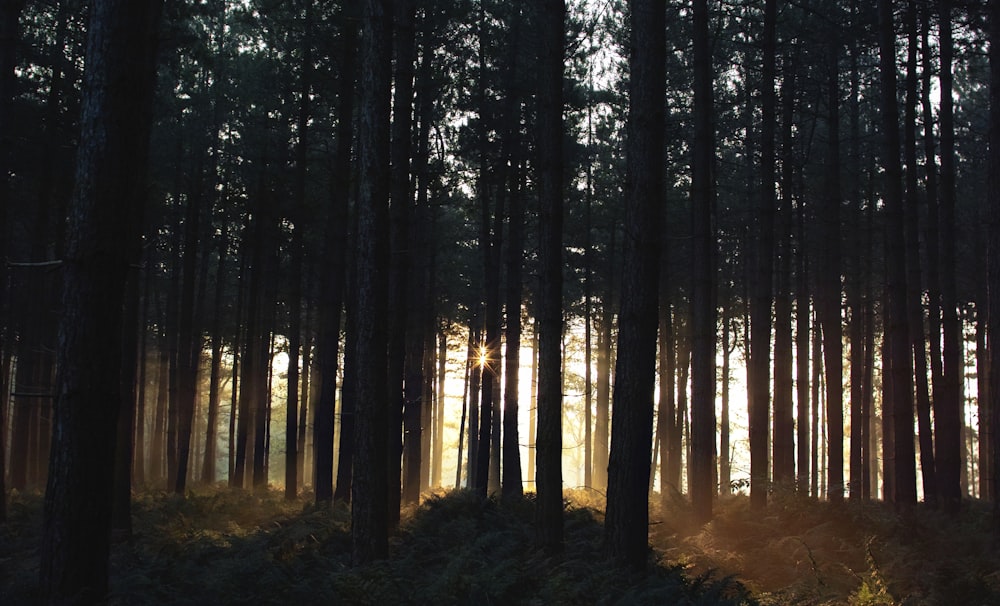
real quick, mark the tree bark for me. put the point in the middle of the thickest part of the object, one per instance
(898, 347)
(626, 524)
(105, 216)
(703, 305)
(948, 405)
(369, 515)
(548, 478)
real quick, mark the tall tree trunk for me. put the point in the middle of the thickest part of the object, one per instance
(626, 525)
(993, 250)
(10, 11)
(512, 484)
(369, 515)
(914, 292)
(783, 458)
(105, 217)
(762, 294)
(548, 479)
(948, 406)
(703, 305)
(602, 425)
(332, 289)
(828, 301)
(900, 362)
(402, 240)
(852, 286)
(215, 373)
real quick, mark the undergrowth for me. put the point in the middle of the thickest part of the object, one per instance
(217, 546)
(229, 547)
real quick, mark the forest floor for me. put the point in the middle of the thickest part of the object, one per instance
(217, 546)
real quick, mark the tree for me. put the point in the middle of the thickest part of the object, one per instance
(994, 242)
(948, 405)
(548, 475)
(896, 331)
(369, 515)
(703, 307)
(10, 11)
(104, 217)
(762, 295)
(625, 530)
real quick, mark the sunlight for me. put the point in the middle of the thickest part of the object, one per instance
(484, 358)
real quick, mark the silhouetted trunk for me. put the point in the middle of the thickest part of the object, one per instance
(783, 457)
(602, 412)
(105, 218)
(369, 527)
(898, 346)
(914, 292)
(805, 437)
(548, 478)
(512, 485)
(332, 289)
(403, 236)
(10, 11)
(948, 404)
(215, 374)
(725, 464)
(626, 524)
(993, 247)
(852, 285)
(829, 291)
(703, 306)
(475, 384)
(761, 293)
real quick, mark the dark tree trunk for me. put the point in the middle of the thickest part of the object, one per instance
(783, 458)
(475, 384)
(761, 295)
(948, 404)
(993, 248)
(725, 464)
(914, 293)
(297, 252)
(105, 217)
(852, 286)
(215, 379)
(900, 362)
(403, 237)
(703, 306)
(332, 289)
(626, 524)
(548, 478)
(10, 11)
(189, 339)
(511, 484)
(369, 515)
(829, 295)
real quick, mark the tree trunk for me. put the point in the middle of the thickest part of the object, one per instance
(762, 294)
(548, 479)
(898, 346)
(993, 250)
(914, 292)
(369, 515)
(402, 239)
(332, 289)
(703, 305)
(626, 524)
(105, 217)
(215, 379)
(948, 405)
(512, 485)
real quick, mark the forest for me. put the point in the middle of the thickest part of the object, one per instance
(473, 301)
